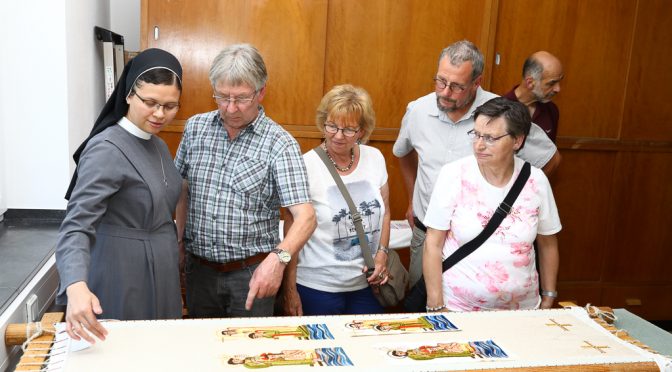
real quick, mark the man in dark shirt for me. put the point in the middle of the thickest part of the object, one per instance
(542, 73)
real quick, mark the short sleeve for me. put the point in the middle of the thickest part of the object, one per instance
(538, 148)
(181, 157)
(403, 145)
(549, 219)
(442, 203)
(380, 165)
(291, 176)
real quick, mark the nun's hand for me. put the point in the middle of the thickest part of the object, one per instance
(80, 317)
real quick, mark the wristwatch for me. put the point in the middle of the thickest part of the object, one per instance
(384, 249)
(283, 255)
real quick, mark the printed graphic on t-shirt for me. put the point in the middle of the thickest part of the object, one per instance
(346, 242)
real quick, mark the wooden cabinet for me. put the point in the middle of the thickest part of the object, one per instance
(613, 187)
(651, 302)
(593, 39)
(290, 34)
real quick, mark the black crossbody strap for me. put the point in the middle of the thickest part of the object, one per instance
(356, 216)
(502, 211)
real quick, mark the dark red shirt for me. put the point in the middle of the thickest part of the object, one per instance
(546, 115)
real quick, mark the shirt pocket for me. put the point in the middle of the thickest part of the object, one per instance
(249, 176)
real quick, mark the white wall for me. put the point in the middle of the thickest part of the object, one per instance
(33, 109)
(86, 91)
(51, 91)
(125, 20)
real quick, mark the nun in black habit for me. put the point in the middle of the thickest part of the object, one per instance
(117, 253)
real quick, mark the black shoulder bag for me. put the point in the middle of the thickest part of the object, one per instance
(416, 299)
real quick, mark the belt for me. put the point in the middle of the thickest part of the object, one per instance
(419, 224)
(230, 266)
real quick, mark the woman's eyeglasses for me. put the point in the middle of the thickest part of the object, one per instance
(488, 139)
(332, 128)
(153, 105)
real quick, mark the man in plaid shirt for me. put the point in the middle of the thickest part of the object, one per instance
(238, 168)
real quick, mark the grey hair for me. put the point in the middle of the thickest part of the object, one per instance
(239, 64)
(464, 51)
(532, 68)
(515, 114)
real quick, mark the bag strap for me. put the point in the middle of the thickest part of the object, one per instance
(356, 216)
(502, 211)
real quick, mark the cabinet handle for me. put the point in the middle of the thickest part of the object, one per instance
(497, 59)
(633, 302)
(156, 32)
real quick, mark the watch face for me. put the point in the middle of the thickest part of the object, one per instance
(284, 256)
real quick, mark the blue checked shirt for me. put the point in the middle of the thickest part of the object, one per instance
(236, 187)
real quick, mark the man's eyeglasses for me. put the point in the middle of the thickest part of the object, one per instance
(333, 129)
(153, 105)
(239, 102)
(488, 139)
(454, 87)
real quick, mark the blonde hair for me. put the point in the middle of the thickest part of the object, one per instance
(349, 102)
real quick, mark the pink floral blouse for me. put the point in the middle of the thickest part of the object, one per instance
(501, 273)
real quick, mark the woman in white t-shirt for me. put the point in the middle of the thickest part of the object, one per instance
(501, 273)
(329, 277)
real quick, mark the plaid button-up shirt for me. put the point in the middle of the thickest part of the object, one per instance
(236, 187)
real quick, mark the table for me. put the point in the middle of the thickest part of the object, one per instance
(529, 340)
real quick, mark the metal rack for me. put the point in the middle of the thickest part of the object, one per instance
(113, 57)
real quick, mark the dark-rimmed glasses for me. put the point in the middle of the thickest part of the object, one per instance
(332, 128)
(488, 139)
(441, 84)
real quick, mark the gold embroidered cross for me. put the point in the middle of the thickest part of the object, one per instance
(591, 346)
(561, 325)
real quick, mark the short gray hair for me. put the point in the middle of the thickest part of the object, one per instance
(239, 64)
(465, 51)
(532, 68)
(516, 116)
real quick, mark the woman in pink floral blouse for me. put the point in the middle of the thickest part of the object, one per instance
(501, 273)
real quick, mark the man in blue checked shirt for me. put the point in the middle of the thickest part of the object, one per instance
(238, 168)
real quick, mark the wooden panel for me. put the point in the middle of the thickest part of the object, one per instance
(289, 34)
(612, 191)
(593, 41)
(640, 242)
(579, 292)
(649, 302)
(581, 188)
(648, 110)
(391, 48)
(172, 135)
(308, 144)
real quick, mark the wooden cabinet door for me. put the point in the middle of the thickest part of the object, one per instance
(391, 48)
(290, 35)
(593, 41)
(647, 109)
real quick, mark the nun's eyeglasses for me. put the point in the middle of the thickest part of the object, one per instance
(153, 105)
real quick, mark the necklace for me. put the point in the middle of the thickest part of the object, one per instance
(165, 180)
(344, 169)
